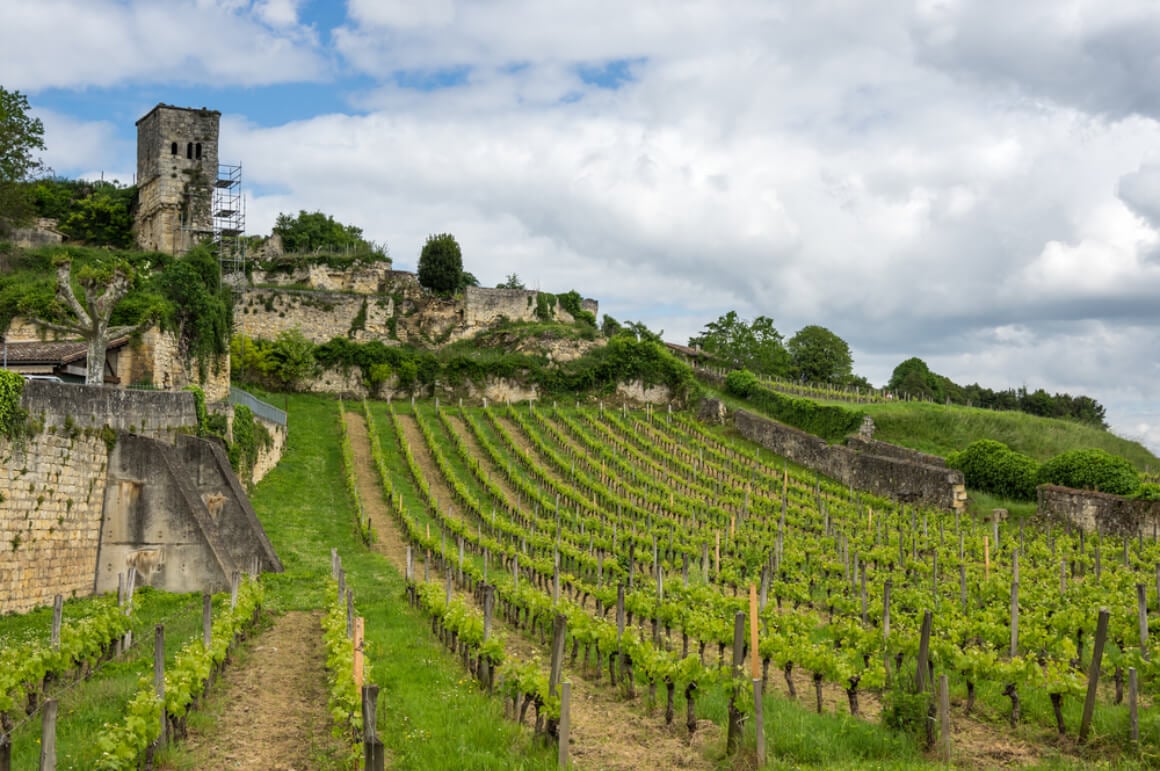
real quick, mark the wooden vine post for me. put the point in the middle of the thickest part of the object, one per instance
(755, 671)
(374, 754)
(733, 739)
(1089, 704)
(48, 735)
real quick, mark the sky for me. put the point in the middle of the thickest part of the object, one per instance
(973, 182)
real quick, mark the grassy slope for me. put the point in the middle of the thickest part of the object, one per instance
(941, 429)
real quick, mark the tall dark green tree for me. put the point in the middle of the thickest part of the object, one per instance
(817, 355)
(20, 137)
(441, 264)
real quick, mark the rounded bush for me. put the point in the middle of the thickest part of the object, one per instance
(1091, 470)
(740, 382)
(993, 467)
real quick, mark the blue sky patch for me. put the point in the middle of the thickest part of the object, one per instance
(432, 80)
(611, 74)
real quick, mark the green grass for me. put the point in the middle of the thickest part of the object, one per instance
(940, 430)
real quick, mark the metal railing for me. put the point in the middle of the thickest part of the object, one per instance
(260, 408)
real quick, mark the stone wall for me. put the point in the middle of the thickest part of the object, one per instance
(1092, 511)
(887, 450)
(483, 306)
(268, 457)
(890, 477)
(53, 488)
(54, 483)
(155, 359)
(158, 414)
(320, 316)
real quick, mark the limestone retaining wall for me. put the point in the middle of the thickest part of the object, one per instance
(890, 477)
(1092, 511)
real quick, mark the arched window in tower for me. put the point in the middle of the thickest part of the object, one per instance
(197, 151)
(173, 148)
(189, 150)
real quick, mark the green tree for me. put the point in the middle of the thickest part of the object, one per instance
(315, 232)
(103, 217)
(817, 355)
(757, 347)
(512, 282)
(20, 136)
(441, 264)
(913, 377)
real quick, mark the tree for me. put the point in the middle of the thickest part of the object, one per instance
(512, 282)
(819, 356)
(315, 232)
(20, 136)
(103, 286)
(441, 264)
(757, 347)
(914, 378)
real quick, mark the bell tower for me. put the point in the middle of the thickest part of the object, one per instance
(177, 170)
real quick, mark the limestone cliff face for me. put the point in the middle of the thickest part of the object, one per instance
(373, 302)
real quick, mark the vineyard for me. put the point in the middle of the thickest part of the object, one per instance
(622, 583)
(646, 533)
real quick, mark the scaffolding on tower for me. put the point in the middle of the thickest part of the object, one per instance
(229, 217)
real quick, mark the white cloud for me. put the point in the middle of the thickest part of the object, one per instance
(972, 183)
(106, 43)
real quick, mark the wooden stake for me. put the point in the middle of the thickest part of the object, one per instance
(1089, 704)
(753, 657)
(358, 651)
(564, 729)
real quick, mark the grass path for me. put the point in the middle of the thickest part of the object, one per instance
(270, 708)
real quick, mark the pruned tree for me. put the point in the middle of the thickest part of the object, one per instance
(103, 286)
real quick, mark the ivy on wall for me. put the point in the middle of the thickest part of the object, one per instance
(11, 415)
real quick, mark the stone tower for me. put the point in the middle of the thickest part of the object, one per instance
(177, 168)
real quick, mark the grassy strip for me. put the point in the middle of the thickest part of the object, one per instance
(431, 714)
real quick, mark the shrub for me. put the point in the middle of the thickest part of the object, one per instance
(441, 264)
(1091, 470)
(1148, 491)
(830, 422)
(993, 467)
(741, 382)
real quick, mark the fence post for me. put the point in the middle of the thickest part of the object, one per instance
(565, 726)
(944, 719)
(207, 620)
(48, 736)
(1089, 704)
(57, 613)
(373, 752)
(558, 635)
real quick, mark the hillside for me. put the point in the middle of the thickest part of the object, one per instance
(942, 429)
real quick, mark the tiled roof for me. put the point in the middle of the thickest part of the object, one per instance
(64, 352)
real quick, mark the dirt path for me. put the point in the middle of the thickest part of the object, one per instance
(272, 703)
(607, 732)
